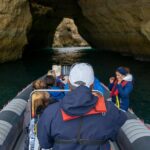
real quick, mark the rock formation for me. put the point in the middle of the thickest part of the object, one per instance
(15, 19)
(115, 25)
(67, 35)
(119, 25)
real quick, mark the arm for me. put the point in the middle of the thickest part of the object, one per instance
(125, 91)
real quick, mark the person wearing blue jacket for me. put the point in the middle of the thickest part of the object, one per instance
(81, 120)
(121, 87)
(50, 81)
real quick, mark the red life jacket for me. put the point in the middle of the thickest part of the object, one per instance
(99, 108)
(114, 91)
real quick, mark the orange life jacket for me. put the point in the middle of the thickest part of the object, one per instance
(114, 91)
(99, 108)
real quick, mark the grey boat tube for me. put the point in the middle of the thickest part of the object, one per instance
(134, 134)
(11, 119)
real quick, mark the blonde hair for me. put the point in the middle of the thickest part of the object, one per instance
(39, 99)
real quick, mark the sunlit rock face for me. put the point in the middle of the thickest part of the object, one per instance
(15, 20)
(119, 25)
(115, 25)
(67, 35)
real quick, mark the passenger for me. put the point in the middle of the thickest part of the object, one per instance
(40, 100)
(121, 87)
(97, 85)
(80, 120)
(58, 81)
(50, 81)
(39, 84)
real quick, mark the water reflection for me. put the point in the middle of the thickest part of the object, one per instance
(67, 56)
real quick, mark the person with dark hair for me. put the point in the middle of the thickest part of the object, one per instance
(39, 84)
(58, 81)
(81, 120)
(121, 86)
(51, 84)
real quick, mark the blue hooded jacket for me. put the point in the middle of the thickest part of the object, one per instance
(56, 95)
(76, 103)
(124, 92)
(98, 86)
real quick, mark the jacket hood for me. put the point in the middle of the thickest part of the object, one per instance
(128, 77)
(79, 101)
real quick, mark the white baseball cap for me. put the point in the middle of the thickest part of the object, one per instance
(81, 72)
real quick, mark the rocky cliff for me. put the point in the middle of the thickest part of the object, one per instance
(115, 25)
(119, 25)
(15, 19)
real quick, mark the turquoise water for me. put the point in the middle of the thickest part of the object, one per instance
(16, 75)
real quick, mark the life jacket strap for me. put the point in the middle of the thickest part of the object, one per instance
(79, 140)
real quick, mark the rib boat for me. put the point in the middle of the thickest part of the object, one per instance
(133, 135)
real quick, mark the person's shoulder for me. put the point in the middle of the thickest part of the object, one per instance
(129, 84)
(111, 107)
(109, 104)
(52, 108)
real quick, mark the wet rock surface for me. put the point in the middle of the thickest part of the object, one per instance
(15, 20)
(122, 26)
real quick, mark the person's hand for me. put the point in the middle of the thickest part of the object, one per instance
(119, 80)
(111, 79)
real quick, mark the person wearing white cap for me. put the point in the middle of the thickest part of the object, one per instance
(81, 73)
(81, 120)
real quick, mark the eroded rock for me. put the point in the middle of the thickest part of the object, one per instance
(119, 25)
(15, 20)
(67, 35)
